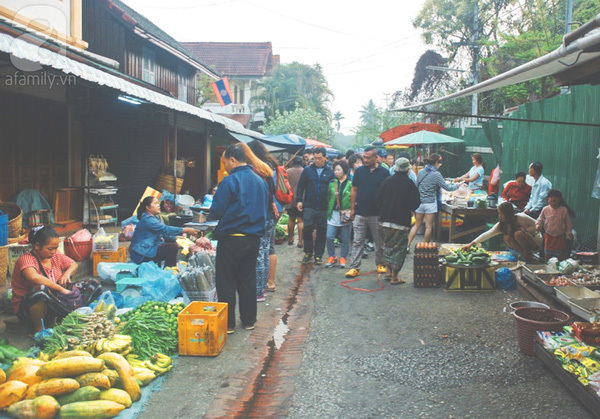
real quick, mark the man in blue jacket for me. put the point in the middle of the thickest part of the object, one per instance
(240, 205)
(311, 198)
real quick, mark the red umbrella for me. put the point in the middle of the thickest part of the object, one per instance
(315, 143)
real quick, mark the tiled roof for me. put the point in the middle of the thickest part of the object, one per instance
(133, 18)
(239, 59)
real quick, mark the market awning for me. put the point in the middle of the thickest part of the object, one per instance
(576, 61)
(424, 137)
(400, 130)
(246, 139)
(21, 49)
(310, 143)
(288, 142)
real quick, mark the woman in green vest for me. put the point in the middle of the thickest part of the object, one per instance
(338, 214)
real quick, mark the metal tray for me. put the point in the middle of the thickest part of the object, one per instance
(574, 292)
(529, 272)
(586, 309)
(544, 285)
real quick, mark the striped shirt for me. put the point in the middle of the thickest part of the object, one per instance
(429, 181)
(21, 286)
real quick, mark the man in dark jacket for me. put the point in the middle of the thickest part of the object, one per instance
(311, 198)
(240, 205)
(398, 196)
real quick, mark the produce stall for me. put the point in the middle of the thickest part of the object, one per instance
(572, 354)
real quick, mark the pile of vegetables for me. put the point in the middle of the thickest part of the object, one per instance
(74, 384)
(78, 331)
(472, 256)
(8, 353)
(280, 233)
(152, 327)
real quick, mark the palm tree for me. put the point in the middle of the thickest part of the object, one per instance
(337, 118)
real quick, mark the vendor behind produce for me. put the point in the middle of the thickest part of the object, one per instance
(29, 303)
(147, 242)
(474, 177)
(518, 231)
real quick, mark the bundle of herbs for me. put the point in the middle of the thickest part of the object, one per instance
(78, 331)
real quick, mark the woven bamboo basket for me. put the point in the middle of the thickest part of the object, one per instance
(21, 235)
(15, 217)
(166, 182)
(3, 264)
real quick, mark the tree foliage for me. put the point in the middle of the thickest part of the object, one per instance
(307, 123)
(204, 93)
(375, 120)
(506, 34)
(293, 86)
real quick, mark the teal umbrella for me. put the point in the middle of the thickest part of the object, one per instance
(424, 137)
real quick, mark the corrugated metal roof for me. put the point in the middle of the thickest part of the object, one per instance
(37, 54)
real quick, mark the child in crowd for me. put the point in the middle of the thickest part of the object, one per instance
(555, 222)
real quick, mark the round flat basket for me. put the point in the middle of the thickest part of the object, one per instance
(530, 320)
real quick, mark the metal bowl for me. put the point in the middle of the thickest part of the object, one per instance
(523, 304)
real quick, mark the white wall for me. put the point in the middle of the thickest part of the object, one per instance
(55, 14)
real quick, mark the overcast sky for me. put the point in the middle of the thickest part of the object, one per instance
(368, 49)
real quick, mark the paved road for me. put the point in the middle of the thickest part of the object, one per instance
(322, 350)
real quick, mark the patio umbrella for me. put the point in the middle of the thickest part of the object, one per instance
(310, 143)
(424, 137)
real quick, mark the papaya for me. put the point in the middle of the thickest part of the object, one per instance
(12, 392)
(56, 386)
(96, 379)
(112, 375)
(19, 362)
(70, 354)
(117, 396)
(42, 407)
(70, 367)
(26, 373)
(125, 371)
(30, 395)
(98, 409)
(2, 376)
(82, 394)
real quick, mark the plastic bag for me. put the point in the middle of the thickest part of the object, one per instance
(105, 242)
(106, 303)
(127, 233)
(505, 279)
(568, 266)
(161, 285)
(82, 235)
(109, 270)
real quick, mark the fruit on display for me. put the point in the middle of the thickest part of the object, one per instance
(91, 409)
(42, 407)
(125, 371)
(472, 256)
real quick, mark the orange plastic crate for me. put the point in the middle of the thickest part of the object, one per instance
(202, 328)
(116, 256)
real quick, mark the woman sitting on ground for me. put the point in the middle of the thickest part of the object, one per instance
(153, 240)
(518, 231)
(42, 266)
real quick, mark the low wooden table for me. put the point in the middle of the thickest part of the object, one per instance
(455, 211)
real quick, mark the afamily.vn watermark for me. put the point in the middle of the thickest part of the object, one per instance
(41, 78)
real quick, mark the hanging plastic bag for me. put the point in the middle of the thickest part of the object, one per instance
(505, 279)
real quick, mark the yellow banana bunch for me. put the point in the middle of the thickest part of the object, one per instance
(159, 363)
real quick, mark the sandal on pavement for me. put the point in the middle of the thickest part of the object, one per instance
(271, 289)
(397, 282)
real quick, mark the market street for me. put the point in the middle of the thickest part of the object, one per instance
(323, 350)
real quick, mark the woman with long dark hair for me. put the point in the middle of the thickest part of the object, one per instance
(518, 232)
(266, 265)
(43, 266)
(153, 240)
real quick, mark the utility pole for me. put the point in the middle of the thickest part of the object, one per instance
(475, 63)
(568, 19)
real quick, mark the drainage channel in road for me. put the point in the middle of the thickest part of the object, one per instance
(273, 387)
